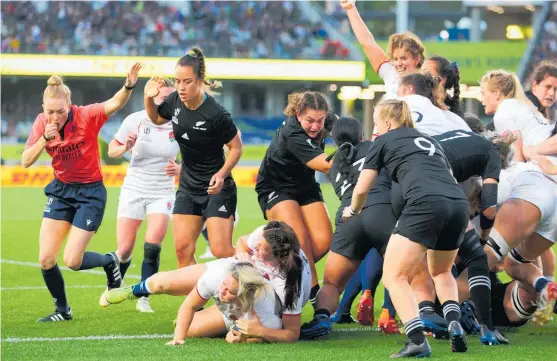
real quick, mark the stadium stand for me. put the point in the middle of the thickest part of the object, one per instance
(277, 30)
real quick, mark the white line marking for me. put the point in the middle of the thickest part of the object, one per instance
(31, 288)
(33, 264)
(134, 337)
(83, 338)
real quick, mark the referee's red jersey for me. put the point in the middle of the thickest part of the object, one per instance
(75, 150)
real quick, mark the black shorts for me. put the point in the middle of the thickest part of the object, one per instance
(82, 205)
(397, 200)
(434, 221)
(268, 200)
(471, 248)
(221, 205)
(498, 313)
(373, 227)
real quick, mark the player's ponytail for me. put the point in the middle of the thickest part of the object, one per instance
(251, 284)
(397, 112)
(56, 89)
(451, 74)
(347, 132)
(196, 59)
(285, 248)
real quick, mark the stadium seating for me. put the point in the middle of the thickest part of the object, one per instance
(277, 30)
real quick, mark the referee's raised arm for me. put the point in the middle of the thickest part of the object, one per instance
(120, 99)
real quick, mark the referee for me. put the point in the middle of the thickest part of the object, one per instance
(76, 196)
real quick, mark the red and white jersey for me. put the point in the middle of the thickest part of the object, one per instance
(154, 147)
(431, 120)
(391, 79)
(276, 279)
(267, 307)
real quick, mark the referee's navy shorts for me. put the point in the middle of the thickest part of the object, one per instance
(82, 205)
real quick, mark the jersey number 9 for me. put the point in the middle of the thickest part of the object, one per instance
(425, 144)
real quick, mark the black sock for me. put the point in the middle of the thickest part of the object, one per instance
(321, 313)
(55, 284)
(151, 260)
(124, 265)
(414, 329)
(313, 293)
(480, 289)
(451, 311)
(426, 306)
(94, 259)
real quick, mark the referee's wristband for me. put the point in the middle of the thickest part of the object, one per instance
(45, 138)
(352, 213)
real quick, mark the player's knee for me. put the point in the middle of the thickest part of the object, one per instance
(151, 253)
(73, 262)
(47, 261)
(185, 248)
(222, 250)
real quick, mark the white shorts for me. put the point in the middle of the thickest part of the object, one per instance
(535, 188)
(136, 205)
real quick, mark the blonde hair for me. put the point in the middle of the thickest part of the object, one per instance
(408, 41)
(56, 89)
(504, 143)
(167, 83)
(508, 85)
(299, 101)
(251, 284)
(397, 111)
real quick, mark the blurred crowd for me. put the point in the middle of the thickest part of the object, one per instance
(547, 48)
(254, 29)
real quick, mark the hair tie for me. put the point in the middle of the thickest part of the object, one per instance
(453, 64)
(192, 54)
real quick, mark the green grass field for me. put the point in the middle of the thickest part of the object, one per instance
(25, 299)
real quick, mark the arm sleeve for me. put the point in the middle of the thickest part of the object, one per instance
(374, 157)
(36, 132)
(388, 73)
(94, 113)
(303, 148)
(226, 128)
(493, 166)
(165, 109)
(129, 125)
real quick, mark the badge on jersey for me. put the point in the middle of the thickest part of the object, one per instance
(175, 117)
(171, 137)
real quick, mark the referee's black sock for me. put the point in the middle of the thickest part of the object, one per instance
(94, 259)
(55, 284)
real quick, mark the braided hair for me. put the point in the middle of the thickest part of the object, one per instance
(451, 73)
(196, 60)
(285, 247)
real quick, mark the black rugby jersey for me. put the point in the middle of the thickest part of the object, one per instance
(415, 161)
(470, 155)
(201, 135)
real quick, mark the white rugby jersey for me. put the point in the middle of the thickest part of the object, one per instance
(277, 280)
(266, 306)
(391, 78)
(431, 120)
(154, 147)
(514, 115)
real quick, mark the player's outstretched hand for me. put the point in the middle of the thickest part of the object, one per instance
(153, 87)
